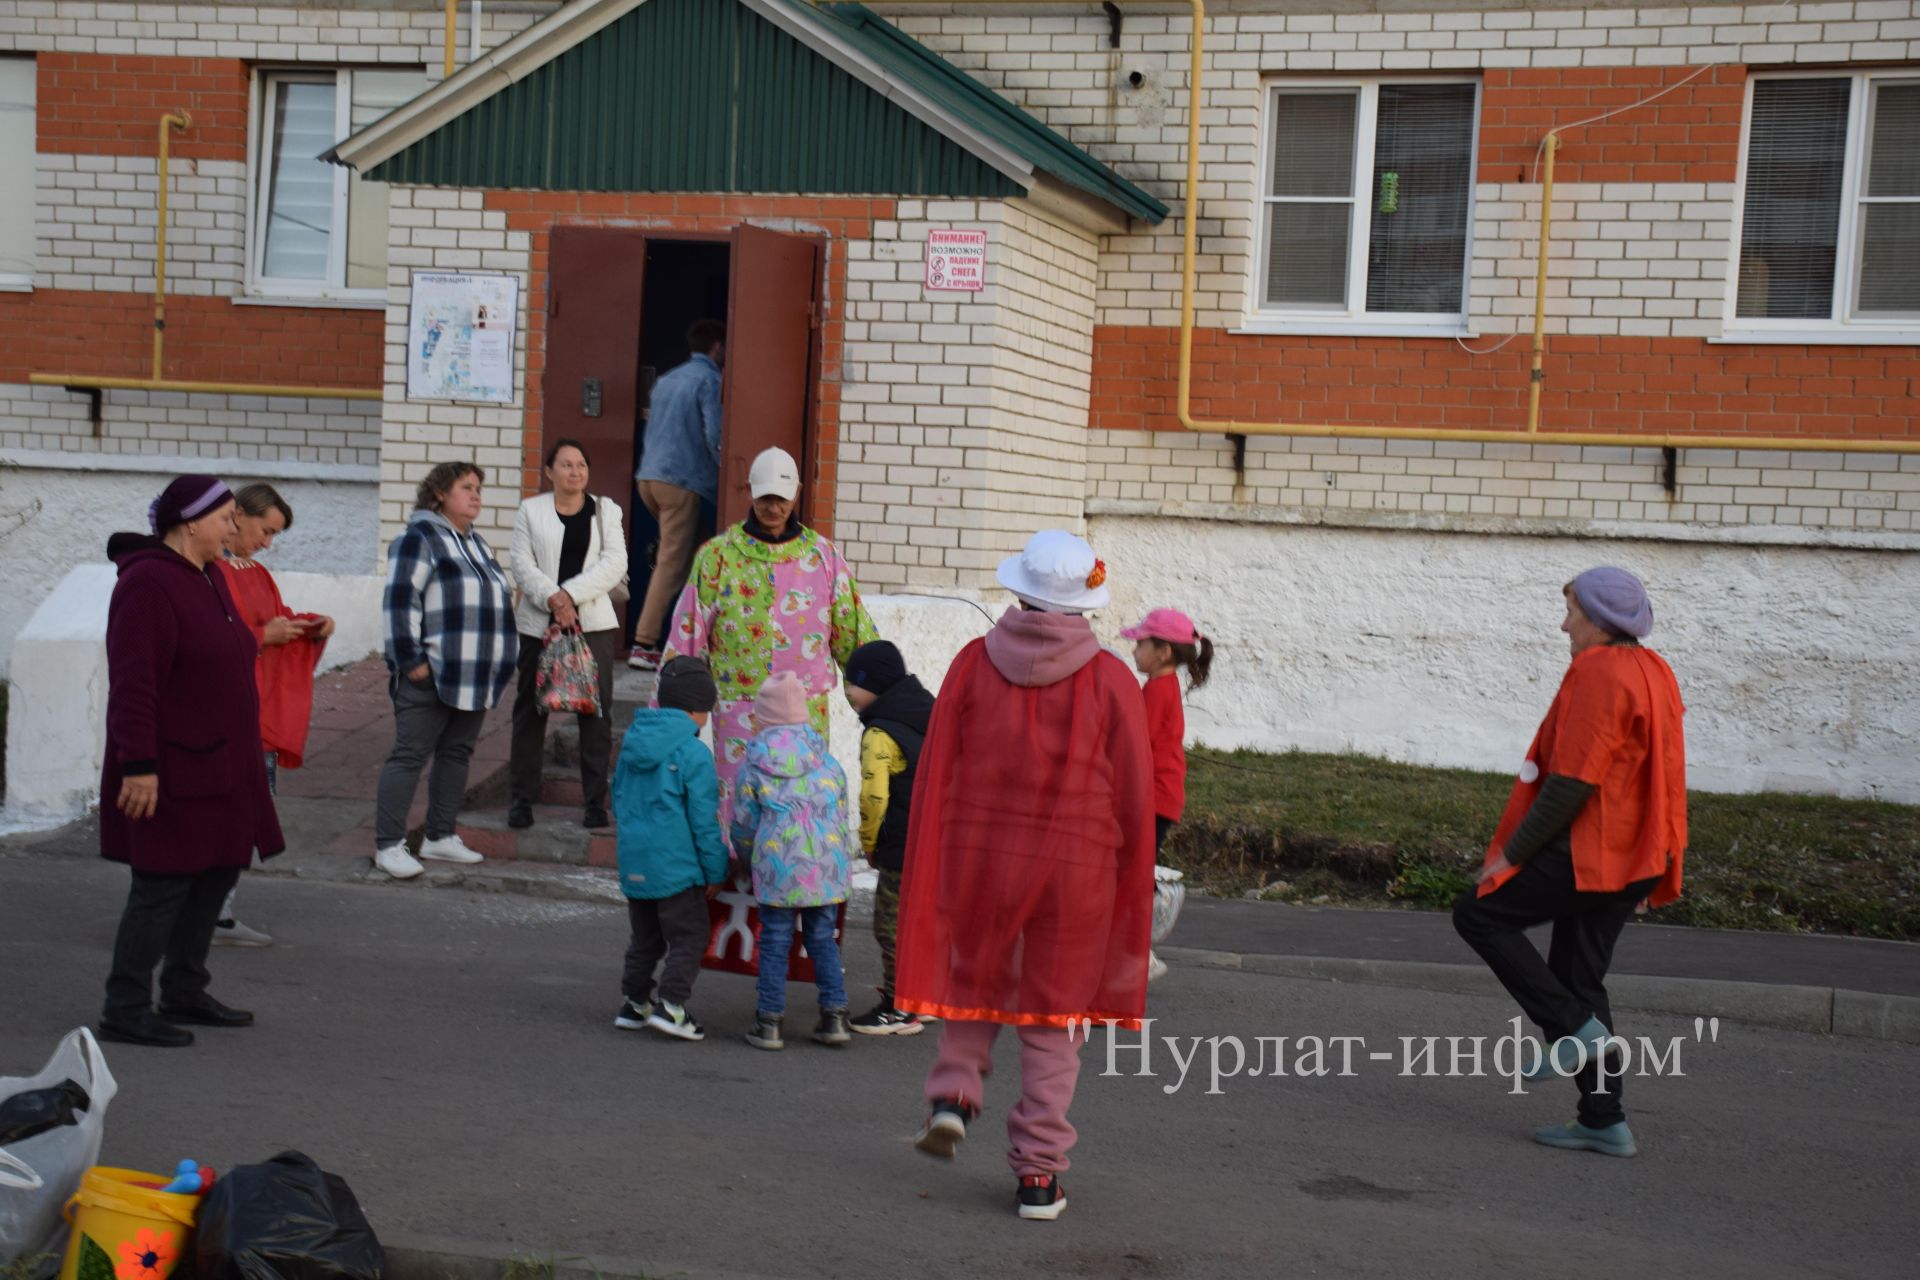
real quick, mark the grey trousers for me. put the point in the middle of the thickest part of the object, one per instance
(424, 726)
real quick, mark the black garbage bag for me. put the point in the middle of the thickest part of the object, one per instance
(38, 1110)
(286, 1219)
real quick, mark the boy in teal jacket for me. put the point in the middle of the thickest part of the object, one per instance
(666, 803)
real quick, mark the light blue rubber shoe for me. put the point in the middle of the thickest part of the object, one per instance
(1563, 1058)
(1614, 1140)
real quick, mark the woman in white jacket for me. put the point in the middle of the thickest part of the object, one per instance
(569, 552)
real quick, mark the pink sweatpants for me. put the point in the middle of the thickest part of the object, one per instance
(1038, 1135)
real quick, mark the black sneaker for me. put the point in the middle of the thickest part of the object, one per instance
(1042, 1198)
(633, 1017)
(766, 1033)
(596, 819)
(885, 1020)
(946, 1127)
(520, 816)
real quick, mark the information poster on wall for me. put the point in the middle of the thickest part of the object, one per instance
(460, 337)
(957, 260)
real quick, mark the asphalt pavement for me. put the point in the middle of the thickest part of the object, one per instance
(452, 1055)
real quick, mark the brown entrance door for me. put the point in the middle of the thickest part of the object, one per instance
(591, 388)
(768, 380)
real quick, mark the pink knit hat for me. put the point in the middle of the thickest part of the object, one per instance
(1170, 625)
(782, 700)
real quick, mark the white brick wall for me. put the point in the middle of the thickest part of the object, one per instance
(409, 32)
(963, 415)
(165, 424)
(431, 229)
(1637, 259)
(1720, 494)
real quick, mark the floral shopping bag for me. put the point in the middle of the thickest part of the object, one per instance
(568, 679)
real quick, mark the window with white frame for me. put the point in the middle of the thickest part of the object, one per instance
(320, 229)
(1366, 202)
(17, 156)
(1830, 206)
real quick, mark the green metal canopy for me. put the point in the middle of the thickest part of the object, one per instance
(728, 96)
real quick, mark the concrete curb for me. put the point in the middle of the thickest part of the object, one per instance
(1823, 1010)
(414, 1257)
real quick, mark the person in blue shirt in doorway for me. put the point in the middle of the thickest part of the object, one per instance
(679, 466)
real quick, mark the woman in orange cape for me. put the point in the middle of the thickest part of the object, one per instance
(1596, 828)
(1028, 892)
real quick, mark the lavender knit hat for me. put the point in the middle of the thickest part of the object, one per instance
(187, 498)
(1616, 600)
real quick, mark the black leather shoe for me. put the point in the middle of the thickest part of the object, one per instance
(520, 816)
(207, 1012)
(596, 819)
(144, 1028)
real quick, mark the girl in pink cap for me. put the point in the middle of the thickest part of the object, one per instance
(1163, 643)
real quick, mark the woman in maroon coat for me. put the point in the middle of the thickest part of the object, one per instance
(183, 788)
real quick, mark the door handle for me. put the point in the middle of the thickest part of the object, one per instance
(589, 397)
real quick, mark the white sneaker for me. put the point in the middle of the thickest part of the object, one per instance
(449, 849)
(397, 862)
(231, 933)
(1156, 967)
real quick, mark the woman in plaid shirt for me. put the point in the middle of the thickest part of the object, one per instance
(451, 647)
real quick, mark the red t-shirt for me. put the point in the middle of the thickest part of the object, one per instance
(1167, 736)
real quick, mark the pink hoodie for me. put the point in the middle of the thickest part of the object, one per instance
(1034, 649)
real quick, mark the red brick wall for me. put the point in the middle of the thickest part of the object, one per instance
(1691, 134)
(111, 104)
(208, 339)
(838, 219)
(1605, 384)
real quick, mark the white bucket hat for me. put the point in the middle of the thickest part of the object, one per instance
(774, 474)
(1057, 572)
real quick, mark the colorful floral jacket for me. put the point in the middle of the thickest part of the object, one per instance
(790, 819)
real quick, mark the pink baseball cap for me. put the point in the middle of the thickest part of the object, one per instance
(1170, 625)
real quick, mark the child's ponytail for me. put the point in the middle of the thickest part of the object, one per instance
(1197, 658)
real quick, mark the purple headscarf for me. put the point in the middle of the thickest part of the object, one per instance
(1616, 600)
(187, 498)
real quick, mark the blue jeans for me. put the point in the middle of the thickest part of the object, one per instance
(776, 944)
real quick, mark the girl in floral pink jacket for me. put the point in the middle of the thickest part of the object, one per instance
(790, 826)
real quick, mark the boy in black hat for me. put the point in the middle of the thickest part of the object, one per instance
(895, 708)
(666, 798)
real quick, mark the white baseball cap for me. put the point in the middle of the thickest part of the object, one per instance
(774, 475)
(1057, 572)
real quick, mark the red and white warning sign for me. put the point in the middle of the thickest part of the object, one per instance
(957, 260)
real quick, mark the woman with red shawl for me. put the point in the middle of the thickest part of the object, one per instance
(290, 647)
(1028, 894)
(1595, 829)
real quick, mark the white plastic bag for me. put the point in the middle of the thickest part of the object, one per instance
(1168, 897)
(39, 1174)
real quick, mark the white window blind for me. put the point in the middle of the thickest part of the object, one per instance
(299, 200)
(1310, 218)
(1790, 226)
(17, 158)
(1422, 180)
(1367, 200)
(1890, 207)
(320, 229)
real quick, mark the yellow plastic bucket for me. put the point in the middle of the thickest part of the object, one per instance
(126, 1231)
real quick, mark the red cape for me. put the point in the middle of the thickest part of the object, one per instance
(1027, 896)
(1616, 724)
(283, 672)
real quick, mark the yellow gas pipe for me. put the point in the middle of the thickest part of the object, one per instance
(168, 123)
